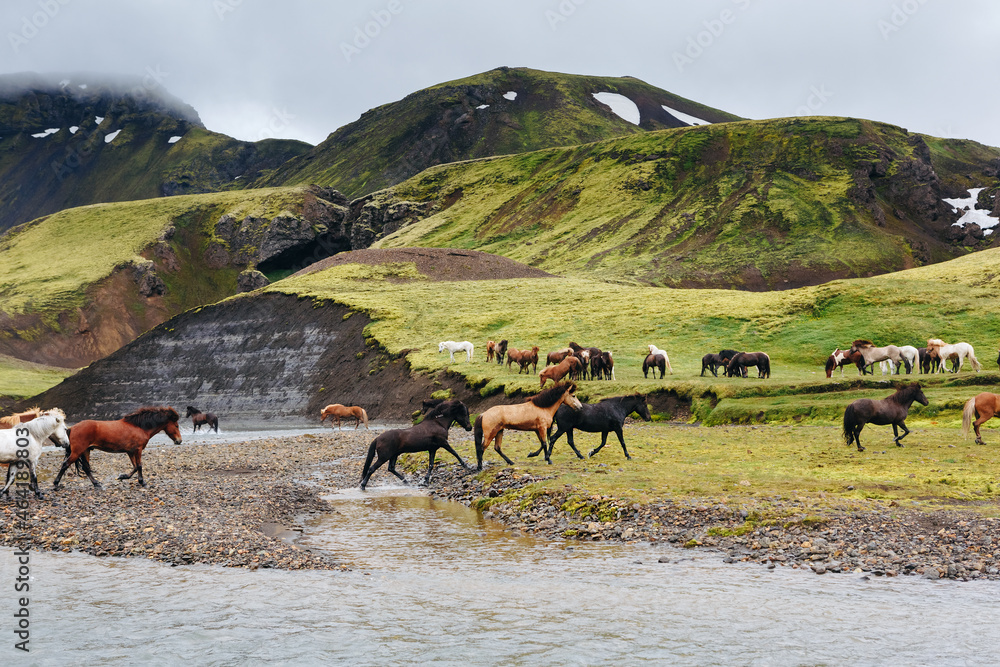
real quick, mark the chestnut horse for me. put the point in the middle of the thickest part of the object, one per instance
(568, 366)
(891, 410)
(127, 435)
(983, 407)
(491, 350)
(554, 357)
(535, 414)
(336, 411)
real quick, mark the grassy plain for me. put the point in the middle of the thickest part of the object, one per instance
(21, 379)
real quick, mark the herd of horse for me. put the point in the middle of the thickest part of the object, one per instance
(930, 359)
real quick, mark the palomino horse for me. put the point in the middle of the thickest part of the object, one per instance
(602, 417)
(938, 349)
(429, 435)
(983, 407)
(873, 354)
(535, 414)
(657, 351)
(891, 410)
(336, 412)
(569, 366)
(127, 435)
(23, 443)
(199, 419)
(654, 362)
(454, 347)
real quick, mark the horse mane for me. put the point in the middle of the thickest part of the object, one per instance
(443, 409)
(13, 420)
(862, 342)
(151, 417)
(551, 396)
(935, 343)
(193, 410)
(905, 393)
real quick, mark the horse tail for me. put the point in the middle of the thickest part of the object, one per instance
(364, 417)
(369, 459)
(850, 421)
(975, 362)
(967, 414)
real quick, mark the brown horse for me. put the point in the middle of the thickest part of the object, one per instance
(890, 410)
(568, 366)
(523, 358)
(501, 350)
(554, 357)
(128, 435)
(199, 419)
(535, 414)
(657, 361)
(491, 350)
(336, 411)
(983, 407)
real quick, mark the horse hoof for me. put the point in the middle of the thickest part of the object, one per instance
(122, 476)
(142, 484)
(533, 454)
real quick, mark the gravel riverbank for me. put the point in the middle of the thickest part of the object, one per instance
(237, 504)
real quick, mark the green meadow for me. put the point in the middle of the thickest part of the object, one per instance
(22, 379)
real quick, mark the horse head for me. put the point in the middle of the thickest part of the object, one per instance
(642, 409)
(52, 425)
(570, 399)
(440, 347)
(191, 410)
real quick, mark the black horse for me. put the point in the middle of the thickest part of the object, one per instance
(652, 362)
(501, 351)
(712, 362)
(428, 436)
(198, 418)
(891, 410)
(738, 364)
(602, 417)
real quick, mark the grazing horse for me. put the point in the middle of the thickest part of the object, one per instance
(602, 366)
(712, 362)
(657, 351)
(738, 364)
(501, 351)
(891, 410)
(336, 412)
(491, 350)
(609, 365)
(654, 361)
(454, 347)
(22, 445)
(841, 358)
(128, 434)
(873, 354)
(911, 357)
(429, 435)
(942, 351)
(569, 366)
(983, 407)
(554, 357)
(602, 417)
(535, 414)
(198, 418)
(585, 354)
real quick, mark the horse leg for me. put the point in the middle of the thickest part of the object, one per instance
(621, 439)
(541, 433)
(856, 434)
(446, 447)
(136, 459)
(357, 422)
(980, 420)
(604, 440)
(86, 469)
(569, 439)
(392, 468)
(430, 465)
(496, 447)
(33, 479)
(906, 432)
(378, 464)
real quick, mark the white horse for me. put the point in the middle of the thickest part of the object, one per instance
(888, 367)
(28, 437)
(911, 356)
(942, 351)
(454, 347)
(655, 351)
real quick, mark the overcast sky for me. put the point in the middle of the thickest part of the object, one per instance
(301, 69)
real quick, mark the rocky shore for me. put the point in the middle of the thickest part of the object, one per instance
(239, 504)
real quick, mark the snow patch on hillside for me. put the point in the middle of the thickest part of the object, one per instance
(510, 95)
(51, 130)
(683, 117)
(972, 214)
(622, 106)
(173, 140)
(109, 137)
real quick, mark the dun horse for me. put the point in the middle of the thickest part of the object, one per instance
(336, 412)
(891, 410)
(535, 414)
(983, 407)
(428, 436)
(199, 418)
(127, 435)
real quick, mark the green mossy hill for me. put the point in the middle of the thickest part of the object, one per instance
(85, 162)
(798, 328)
(21, 379)
(753, 205)
(471, 118)
(124, 267)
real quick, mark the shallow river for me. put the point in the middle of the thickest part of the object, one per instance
(434, 582)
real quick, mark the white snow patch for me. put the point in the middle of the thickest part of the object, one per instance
(82, 86)
(483, 106)
(108, 138)
(64, 83)
(972, 214)
(98, 119)
(620, 105)
(73, 129)
(173, 140)
(51, 130)
(510, 95)
(683, 117)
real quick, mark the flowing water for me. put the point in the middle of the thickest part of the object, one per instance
(433, 582)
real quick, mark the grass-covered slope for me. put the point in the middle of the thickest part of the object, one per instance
(799, 328)
(78, 284)
(471, 118)
(754, 204)
(112, 143)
